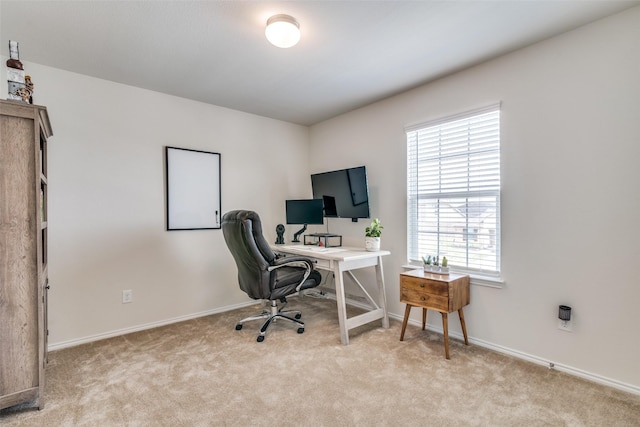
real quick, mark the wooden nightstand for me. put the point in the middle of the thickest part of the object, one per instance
(445, 293)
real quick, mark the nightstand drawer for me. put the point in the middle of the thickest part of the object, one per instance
(422, 285)
(418, 297)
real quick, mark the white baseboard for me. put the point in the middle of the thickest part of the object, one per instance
(531, 358)
(124, 331)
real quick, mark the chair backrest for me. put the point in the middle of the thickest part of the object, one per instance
(243, 234)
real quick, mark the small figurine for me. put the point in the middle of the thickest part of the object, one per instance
(24, 93)
(29, 85)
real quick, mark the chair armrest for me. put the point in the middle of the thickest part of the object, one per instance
(294, 261)
(285, 261)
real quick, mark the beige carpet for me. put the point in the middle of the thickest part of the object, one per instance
(205, 373)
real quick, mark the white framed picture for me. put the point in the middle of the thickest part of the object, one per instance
(192, 189)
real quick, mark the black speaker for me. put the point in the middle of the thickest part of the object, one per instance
(280, 232)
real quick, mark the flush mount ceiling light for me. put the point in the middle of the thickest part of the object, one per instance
(282, 31)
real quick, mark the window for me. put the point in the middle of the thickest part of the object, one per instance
(453, 191)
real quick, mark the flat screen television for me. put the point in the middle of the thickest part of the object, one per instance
(345, 192)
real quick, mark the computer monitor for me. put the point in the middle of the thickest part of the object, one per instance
(306, 211)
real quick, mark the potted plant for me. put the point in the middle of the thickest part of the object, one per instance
(435, 268)
(427, 263)
(444, 269)
(372, 235)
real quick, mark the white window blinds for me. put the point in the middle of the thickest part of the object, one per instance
(453, 190)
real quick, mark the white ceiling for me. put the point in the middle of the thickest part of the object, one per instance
(351, 53)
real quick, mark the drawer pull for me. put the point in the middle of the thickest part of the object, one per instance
(423, 299)
(422, 285)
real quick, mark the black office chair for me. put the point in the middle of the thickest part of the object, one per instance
(261, 274)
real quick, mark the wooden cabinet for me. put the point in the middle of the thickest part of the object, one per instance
(445, 293)
(24, 130)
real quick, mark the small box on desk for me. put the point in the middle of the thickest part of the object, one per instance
(323, 239)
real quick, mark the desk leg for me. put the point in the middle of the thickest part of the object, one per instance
(464, 326)
(382, 293)
(445, 328)
(342, 305)
(404, 322)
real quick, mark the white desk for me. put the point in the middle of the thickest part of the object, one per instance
(342, 260)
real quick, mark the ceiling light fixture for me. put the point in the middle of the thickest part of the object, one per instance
(282, 31)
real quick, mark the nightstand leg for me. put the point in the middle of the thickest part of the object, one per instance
(464, 326)
(424, 318)
(404, 322)
(445, 328)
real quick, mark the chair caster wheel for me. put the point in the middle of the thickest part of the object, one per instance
(298, 316)
(300, 330)
(260, 338)
(238, 327)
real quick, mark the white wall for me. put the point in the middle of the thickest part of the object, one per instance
(107, 206)
(570, 198)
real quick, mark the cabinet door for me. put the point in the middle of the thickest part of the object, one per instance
(19, 290)
(24, 130)
(43, 254)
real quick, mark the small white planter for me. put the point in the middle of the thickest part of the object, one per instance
(444, 270)
(372, 244)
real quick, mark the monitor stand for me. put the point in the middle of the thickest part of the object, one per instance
(298, 233)
(327, 240)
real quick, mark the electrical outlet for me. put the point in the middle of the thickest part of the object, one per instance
(127, 296)
(565, 325)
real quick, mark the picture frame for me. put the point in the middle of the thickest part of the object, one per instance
(193, 189)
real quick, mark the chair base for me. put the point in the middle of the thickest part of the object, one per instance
(271, 316)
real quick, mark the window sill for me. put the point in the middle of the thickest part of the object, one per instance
(476, 279)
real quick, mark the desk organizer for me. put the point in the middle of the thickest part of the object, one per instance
(322, 239)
